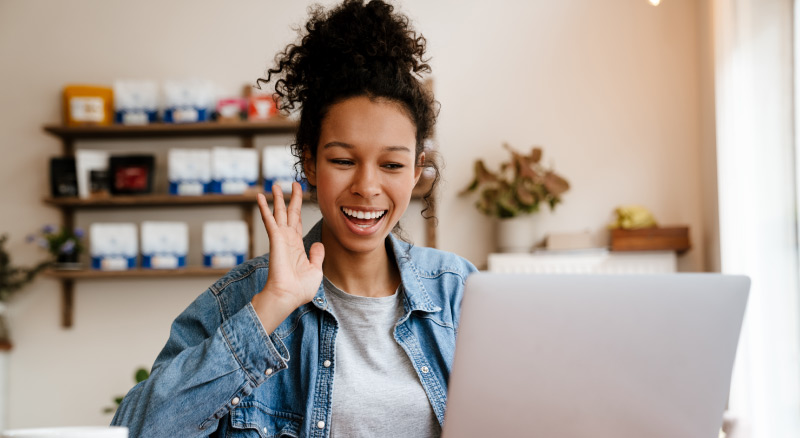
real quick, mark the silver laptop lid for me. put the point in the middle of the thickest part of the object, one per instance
(600, 356)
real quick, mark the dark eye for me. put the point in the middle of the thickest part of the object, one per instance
(393, 166)
(341, 162)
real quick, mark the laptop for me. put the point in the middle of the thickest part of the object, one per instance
(594, 356)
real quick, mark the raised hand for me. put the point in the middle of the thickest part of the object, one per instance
(294, 278)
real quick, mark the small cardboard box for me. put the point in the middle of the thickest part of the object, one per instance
(651, 239)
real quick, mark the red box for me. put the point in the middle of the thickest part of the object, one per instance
(261, 107)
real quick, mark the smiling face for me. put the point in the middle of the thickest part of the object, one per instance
(364, 172)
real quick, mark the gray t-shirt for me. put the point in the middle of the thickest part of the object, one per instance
(376, 392)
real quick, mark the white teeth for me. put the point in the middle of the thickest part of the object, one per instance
(363, 214)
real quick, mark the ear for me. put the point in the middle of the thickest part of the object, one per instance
(309, 167)
(418, 167)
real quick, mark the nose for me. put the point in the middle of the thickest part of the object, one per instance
(366, 182)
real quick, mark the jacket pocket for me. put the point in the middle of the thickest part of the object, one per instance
(250, 417)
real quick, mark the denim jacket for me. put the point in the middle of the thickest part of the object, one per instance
(220, 374)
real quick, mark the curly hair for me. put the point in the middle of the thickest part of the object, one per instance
(355, 49)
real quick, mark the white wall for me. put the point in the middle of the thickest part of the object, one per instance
(610, 89)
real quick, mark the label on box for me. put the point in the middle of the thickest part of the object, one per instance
(223, 261)
(284, 184)
(164, 262)
(135, 118)
(86, 109)
(262, 108)
(234, 187)
(191, 188)
(185, 115)
(114, 264)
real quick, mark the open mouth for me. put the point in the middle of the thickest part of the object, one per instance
(363, 219)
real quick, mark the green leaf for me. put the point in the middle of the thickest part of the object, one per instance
(521, 185)
(141, 375)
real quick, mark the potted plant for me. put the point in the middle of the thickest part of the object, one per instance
(515, 192)
(12, 279)
(65, 245)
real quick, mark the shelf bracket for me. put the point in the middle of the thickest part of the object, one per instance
(67, 297)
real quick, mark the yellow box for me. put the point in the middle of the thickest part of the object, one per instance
(88, 105)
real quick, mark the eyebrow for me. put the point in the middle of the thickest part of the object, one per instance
(349, 146)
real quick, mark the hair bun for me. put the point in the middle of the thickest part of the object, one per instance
(368, 36)
(348, 47)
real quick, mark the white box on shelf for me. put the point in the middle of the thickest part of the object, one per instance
(164, 244)
(188, 100)
(233, 170)
(113, 246)
(225, 243)
(189, 171)
(135, 102)
(278, 167)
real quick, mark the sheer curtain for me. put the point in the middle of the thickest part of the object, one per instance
(755, 95)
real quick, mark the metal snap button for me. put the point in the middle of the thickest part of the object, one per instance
(425, 370)
(268, 371)
(321, 425)
(235, 401)
(326, 364)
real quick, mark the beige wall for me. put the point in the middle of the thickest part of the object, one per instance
(611, 89)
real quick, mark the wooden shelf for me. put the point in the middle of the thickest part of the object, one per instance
(189, 271)
(166, 200)
(156, 200)
(160, 130)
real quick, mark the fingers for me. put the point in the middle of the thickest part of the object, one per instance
(295, 203)
(279, 205)
(316, 254)
(266, 215)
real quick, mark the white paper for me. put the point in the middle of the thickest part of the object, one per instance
(85, 161)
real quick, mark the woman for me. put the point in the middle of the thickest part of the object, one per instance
(349, 331)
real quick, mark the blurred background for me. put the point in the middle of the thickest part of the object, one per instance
(685, 107)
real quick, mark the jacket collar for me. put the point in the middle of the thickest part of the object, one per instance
(415, 297)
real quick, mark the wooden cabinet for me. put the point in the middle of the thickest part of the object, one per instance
(245, 131)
